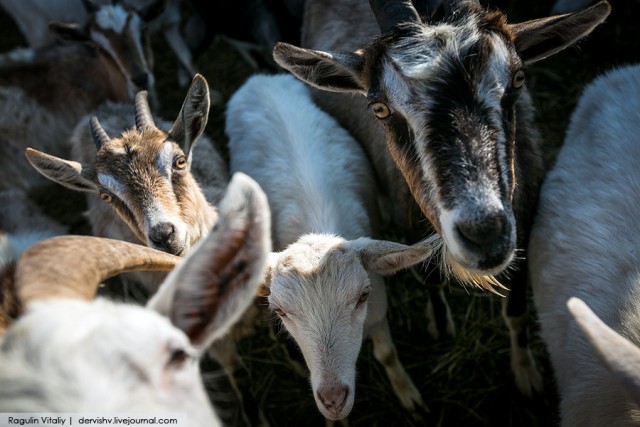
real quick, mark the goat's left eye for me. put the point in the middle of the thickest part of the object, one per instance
(363, 298)
(518, 79)
(180, 162)
(280, 312)
(178, 358)
(380, 110)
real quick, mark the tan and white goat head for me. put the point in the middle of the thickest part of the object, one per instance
(145, 174)
(67, 354)
(321, 287)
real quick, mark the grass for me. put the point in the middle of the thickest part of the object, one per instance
(466, 381)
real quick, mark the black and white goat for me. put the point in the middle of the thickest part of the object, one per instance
(446, 87)
(585, 245)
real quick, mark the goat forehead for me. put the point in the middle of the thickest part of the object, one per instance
(334, 277)
(435, 56)
(112, 17)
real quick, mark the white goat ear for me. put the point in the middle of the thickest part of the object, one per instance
(193, 115)
(543, 37)
(213, 286)
(384, 257)
(618, 354)
(67, 173)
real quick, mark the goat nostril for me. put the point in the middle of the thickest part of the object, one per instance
(162, 233)
(482, 231)
(334, 398)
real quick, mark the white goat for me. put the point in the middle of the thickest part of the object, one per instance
(45, 91)
(68, 355)
(585, 245)
(319, 181)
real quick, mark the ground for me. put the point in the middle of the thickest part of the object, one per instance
(466, 381)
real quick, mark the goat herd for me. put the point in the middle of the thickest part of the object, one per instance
(395, 135)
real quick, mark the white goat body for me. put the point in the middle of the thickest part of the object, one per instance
(68, 355)
(322, 194)
(585, 244)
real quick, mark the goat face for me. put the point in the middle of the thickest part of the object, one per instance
(320, 286)
(145, 174)
(146, 178)
(446, 92)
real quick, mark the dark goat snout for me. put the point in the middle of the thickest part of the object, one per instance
(484, 230)
(333, 397)
(163, 235)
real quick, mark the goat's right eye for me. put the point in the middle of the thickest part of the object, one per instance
(280, 312)
(105, 196)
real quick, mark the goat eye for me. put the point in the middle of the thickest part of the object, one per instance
(280, 312)
(178, 358)
(380, 110)
(105, 196)
(180, 162)
(363, 298)
(518, 79)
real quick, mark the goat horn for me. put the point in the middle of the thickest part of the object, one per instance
(390, 13)
(144, 119)
(99, 135)
(74, 266)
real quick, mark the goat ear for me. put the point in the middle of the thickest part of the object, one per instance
(332, 71)
(67, 173)
(213, 286)
(540, 38)
(68, 31)
(193, 115)
(618, 354)
(384, 257)
(264, 288)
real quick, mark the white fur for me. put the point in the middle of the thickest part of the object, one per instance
(321, 192)
(586, 244)
(68, 355)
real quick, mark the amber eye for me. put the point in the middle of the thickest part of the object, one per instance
(280, 312)
(105, 196)
(180, 162)
(178, 358)
(380, 110)
(518, 79)
(363, 298)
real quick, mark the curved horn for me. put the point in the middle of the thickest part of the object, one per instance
(99, 135)
(390, 13)
(74, 266)
(144, 119)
